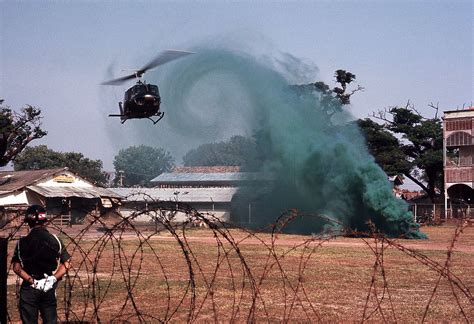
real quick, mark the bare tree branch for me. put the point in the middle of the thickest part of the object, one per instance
(18, 130)
(435, 108)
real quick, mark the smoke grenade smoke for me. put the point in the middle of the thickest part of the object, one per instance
(318, 159)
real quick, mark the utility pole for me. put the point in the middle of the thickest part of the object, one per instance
(121, 176)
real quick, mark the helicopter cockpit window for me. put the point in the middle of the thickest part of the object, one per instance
(139, 89)
(153, 89)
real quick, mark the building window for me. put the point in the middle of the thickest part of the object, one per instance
(454, 125)
(459, 139)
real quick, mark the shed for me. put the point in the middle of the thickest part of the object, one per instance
(215, 200)
(201, 177)
(63, 193)
(206, 189)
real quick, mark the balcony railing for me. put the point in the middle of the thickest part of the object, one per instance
(459, 174)
(431, 213)
(459, 161)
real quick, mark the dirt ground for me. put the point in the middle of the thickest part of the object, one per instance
(231, 275)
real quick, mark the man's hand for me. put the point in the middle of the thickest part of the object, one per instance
(49, 282)
(39, 284)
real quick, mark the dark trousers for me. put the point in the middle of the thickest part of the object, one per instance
(33, 301)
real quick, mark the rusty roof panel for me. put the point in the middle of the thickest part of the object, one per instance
(207, 169)
(15, 180)
(228, 177)
(82, 192)
(185, 195)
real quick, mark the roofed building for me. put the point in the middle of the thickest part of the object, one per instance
(202, 177)
(60, 191)
(458, 132)
(206, 189)
(216, 201)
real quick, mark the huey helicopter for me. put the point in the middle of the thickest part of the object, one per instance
(143, 99)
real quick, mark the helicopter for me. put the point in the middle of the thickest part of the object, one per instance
(143, 99)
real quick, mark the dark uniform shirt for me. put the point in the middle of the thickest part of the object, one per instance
(39, 252)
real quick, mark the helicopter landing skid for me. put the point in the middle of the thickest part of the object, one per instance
(160, 116)
(124, 118)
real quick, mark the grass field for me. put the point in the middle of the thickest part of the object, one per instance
(203, 275)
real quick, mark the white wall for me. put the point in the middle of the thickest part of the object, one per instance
(221, 215)
(75, 181)
(17, 198)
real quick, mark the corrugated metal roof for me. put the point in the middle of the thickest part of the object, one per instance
(211, 177)
(207, 169)
(15, 180)
(82, 192)
(186, 195)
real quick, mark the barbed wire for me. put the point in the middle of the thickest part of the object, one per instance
(127, 270)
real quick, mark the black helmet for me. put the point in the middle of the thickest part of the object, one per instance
(35, 215)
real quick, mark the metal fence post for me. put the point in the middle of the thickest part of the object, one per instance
(415, 214)
(3, 279)
(250, 213)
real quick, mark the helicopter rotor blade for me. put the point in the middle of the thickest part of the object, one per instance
(119, 81)
(162, 58)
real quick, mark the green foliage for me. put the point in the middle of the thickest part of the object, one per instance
(409, 144)
(344, 78)
(385, 147)
(237, 151)
(406, 143)
(17, 130)
(137, 165)
(41, 157)
(332, 100)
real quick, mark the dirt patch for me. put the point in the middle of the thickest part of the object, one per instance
(234, 275)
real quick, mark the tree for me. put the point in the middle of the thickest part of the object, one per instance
(384, 147)
(137, 165)
(17, 130)
(85, 167)
(41, 157)
(236, 151)
(332, 100)
(408, 143)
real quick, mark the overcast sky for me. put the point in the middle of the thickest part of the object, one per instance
(55, 54)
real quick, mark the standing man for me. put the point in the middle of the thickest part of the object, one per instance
(35, 260)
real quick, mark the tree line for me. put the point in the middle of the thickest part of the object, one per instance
(402, 141)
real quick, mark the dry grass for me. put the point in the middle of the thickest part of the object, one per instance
(298, 278)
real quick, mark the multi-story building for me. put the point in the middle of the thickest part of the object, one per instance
(458, 132)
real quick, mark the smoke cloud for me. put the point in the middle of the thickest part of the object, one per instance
(319, 161)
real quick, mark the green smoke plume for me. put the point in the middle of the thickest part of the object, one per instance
(318, 159)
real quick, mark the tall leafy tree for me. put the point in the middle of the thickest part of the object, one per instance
(385, 147)
(137, 165)
(236, 151)
(404, 143)
(41, 157)
(333, 99)
(408, 143)
(17, 130)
